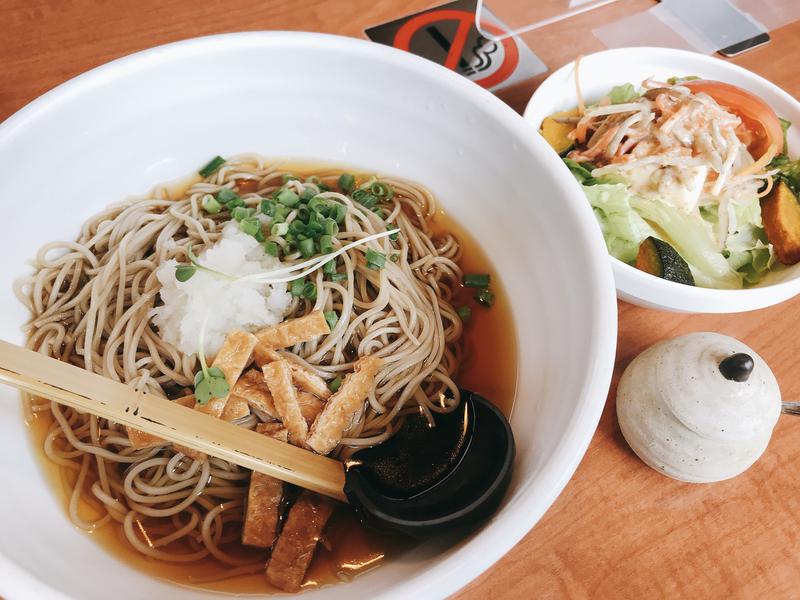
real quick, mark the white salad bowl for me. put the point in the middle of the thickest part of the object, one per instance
(601, 71)
(159, 114)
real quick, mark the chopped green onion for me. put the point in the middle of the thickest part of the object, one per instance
(339, 277)
(306, 247)
(271, 248)
(214, 164)
(308, 194)
(381, 190)
(329, 268)
(268, 207)
(280, 213)
(296, 287)
(287, 198)
(331, 228)
(225, 195)
(184, 272)
(210, 204)
(476, 280)
(287, 177)
(250, 225)
(313, 179)
(323, 187)
(365, 198)
(464, 312)
(325, 244)
(318, 204)
(341, 213)
(315, 229)
(346, 182)
(310, 291)
(239, 213)
(375, 260)
(394, 235)
(394, 257)
(235, 203)
(484, 297)
(335, 384)
(279, 229)
(332, 318)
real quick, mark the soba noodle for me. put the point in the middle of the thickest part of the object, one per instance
(91, 302)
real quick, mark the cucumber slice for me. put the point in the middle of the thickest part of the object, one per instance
(658, 258)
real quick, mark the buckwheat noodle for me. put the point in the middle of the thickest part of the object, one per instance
(91, 301)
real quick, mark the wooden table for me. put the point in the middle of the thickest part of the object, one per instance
(619, 530)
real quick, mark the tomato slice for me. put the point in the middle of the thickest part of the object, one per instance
(757, 116)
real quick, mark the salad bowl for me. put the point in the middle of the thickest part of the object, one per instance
(759, 286)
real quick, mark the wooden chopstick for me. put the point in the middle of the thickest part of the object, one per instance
(72, 386)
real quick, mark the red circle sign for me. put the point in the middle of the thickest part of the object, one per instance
(465, 20)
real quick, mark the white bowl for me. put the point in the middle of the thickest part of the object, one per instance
(156, 115)
(603, 70)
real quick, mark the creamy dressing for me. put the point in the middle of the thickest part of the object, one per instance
(684, 418)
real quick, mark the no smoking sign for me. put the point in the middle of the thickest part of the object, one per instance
(447, 35)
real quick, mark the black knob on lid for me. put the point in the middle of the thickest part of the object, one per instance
(737, 367)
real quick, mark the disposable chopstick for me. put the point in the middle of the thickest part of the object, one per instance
(72, 386)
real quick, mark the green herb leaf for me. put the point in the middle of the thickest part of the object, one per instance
(202, 391)
(346, 182)
(216, 372)
(184, 272)
(335, 384)
(332, 318)
(213, 165)
(218, 387)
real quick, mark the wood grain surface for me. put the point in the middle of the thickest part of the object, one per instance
(619, 530)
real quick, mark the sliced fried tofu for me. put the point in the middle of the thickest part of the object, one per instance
(310, 406)
(264, 499)
(232, 358)
(236, 408)
(297, 542)
(294, 331)
(140, 439)
(278, 376)
(310, 382)
(253, 388)
(340, 409)
(264, 354)
(780, 212)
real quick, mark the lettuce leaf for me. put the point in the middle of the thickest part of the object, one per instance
(583, 173)
(689, 235)
(749, 252)
(620, 94)
(623, 230)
